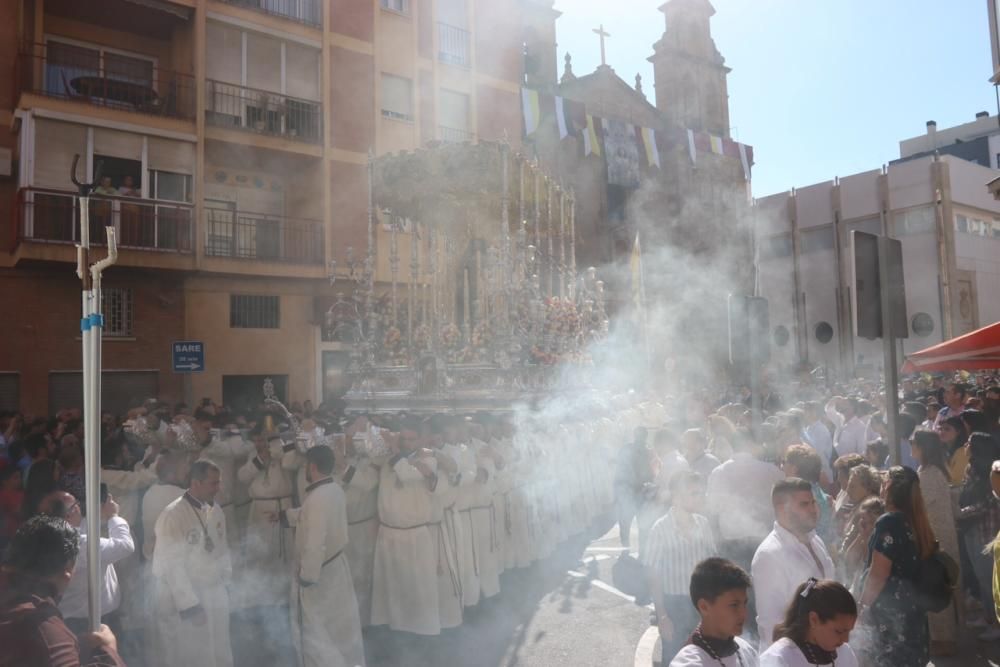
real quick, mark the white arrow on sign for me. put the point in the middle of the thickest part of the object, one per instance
(190, 367)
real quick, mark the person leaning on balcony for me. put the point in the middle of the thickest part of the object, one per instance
(105, 187)
(128, 188)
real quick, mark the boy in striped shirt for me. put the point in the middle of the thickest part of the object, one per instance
(677, 542)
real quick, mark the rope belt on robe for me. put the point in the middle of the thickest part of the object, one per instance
(278, 526)
(443, 552)
(452, 536)
(375, 516)
(475, 549)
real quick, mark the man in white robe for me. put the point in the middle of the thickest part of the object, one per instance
(268, 545)
(326, 629)
(459, 515)
(228, 451)
(409, 544)
(358, 477)
(191, 568)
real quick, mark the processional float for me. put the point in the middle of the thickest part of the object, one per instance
(492, 306)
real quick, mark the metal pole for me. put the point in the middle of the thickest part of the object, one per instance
(890, 369)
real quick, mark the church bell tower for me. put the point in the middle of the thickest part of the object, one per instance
(689, 72)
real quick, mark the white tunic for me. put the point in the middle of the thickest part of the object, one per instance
(228, 453)
(360, 484)
(692, 656)
(188, 574)
(404, 586)
(326, 629)
(268, 544)
(459, 521)
(785, 653)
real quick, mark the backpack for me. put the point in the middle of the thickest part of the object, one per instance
(936, 580)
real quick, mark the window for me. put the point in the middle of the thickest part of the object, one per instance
(814, 240)
(68, 62)
(776, 246)
(254, 312)
(917, 221)
(169, 186)
(117, 307)
(10, 391)
(397, 97)
(454, 115)
(401, 6)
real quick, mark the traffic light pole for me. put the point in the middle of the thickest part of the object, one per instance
(889, 363)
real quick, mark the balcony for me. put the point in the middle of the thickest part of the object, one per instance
(259, 236)
(307, 12)
(454, 135)
(453, 45)
(238, 107)
(104, 79)
(52, 216)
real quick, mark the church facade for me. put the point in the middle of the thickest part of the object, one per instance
(691, 212)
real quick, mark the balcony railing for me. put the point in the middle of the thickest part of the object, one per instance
(259, 236)
(80, 74)
(454, 135)
(453, 45)
(233, 106)
(309, 12)
(52, 216)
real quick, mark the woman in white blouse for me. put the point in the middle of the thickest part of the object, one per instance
(816, 628)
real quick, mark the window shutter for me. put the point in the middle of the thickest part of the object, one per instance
(55, 145)
(170, 155)
(117, 144)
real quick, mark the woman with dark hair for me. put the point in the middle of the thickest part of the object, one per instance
(979, 521)
(954, 435)
(928, 452)
(902, 539)
(41, 481)
(817, 625)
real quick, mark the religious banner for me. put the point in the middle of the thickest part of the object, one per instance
(531, 110)
(591, 140)
(621, 152)
(648, 138)
(571, 117)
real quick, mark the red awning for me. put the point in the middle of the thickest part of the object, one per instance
(976, 350)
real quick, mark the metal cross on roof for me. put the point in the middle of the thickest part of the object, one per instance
(602, 34)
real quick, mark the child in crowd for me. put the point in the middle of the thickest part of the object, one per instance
(816, 628)
(719, 591)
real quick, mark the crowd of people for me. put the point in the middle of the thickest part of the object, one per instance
(301, 519)
(323, 523)
(816, 520)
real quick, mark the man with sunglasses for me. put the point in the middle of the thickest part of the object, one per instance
(113, 548)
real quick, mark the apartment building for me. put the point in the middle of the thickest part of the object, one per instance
(233, 138)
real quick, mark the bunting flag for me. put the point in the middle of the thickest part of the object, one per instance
(591, 142)
(648, 138)
(531, 110)
(572, 120)
(561, 118)
(716, 144)
(746, 162)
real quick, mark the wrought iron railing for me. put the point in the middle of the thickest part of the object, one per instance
(453, 45)
(259, 236)
(52, 216)
(234, 106)
(81, 74)
(454, 135)
(309, 12)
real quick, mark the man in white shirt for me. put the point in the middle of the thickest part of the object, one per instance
(851, 435)
(789, 555)
(739, 502)
(954, 403)
(118, 545)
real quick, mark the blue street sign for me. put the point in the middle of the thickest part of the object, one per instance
(189, 356)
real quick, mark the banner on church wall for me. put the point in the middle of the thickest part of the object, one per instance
(621, 152)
